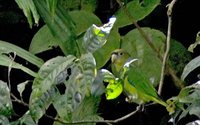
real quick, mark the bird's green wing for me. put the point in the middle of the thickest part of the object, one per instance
(143, 86)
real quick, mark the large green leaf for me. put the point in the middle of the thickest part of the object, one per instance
(61, 26)
(78, 86)
(83, 20)
(43, 40)
(53, 72)
(6, 108)
(66, 103)
(148, 60)
(7, 48)
(138, 9)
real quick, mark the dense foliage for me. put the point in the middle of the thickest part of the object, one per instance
(75, 82)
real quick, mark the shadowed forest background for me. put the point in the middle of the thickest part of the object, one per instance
(15, 29)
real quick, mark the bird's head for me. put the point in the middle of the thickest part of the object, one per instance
(119, 58)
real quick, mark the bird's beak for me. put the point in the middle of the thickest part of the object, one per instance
(113, 57)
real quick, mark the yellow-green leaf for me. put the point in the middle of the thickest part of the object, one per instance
(114, 89)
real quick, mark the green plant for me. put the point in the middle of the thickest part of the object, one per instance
(86, 49)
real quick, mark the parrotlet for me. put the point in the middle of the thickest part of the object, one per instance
(135, 91)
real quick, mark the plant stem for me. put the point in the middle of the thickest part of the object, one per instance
(164, 62)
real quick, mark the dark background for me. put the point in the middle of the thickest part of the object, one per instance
(186, 23)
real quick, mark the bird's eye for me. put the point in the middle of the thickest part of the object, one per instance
(120, 54)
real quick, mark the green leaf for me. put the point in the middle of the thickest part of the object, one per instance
(107, 76)
(7, 48)
(39, 102)
(78, 86)
(83, 20)
(42, 41)
(89, 5)
(52, 6)
(29, 10)
(190, 93)
(192, 65)
(88, 66)
(8, 62)
(96, 37)
(53, 72)
(6, 108)
(98, 88)
(21, 87)
(148, 60)
(4, 120)
(136, 8)
(26, 119)
(187, 101)
(61, 26)
(114, 89)
(66, 103)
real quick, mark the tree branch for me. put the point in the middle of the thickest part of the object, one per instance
(109, 122)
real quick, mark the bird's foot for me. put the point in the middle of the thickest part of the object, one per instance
(141, 107)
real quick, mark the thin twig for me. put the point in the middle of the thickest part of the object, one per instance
(18, 101)
(109, 122)
(9, 69)
(169, 14)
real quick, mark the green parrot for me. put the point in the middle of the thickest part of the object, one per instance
(135, 86)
